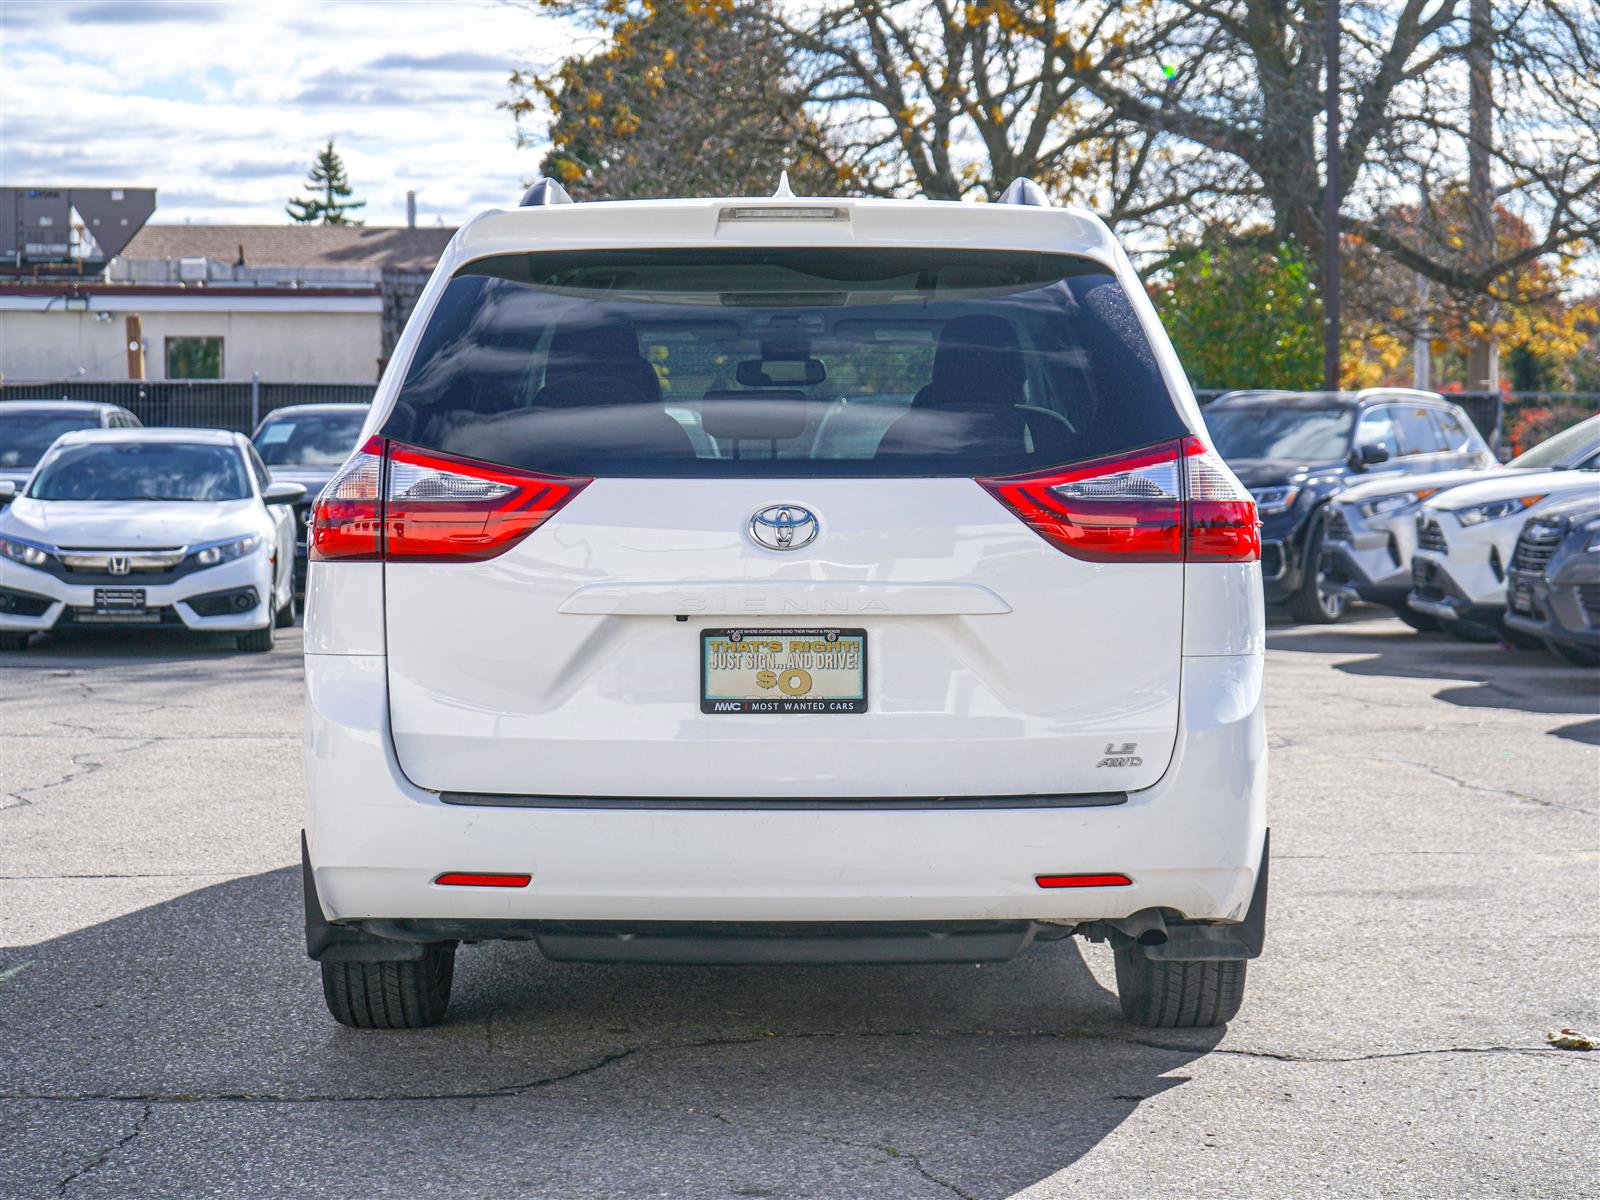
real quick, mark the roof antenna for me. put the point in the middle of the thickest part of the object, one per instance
(544, 192)
(1024, 191)
(784, 192)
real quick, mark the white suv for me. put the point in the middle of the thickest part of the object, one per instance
(784, 580)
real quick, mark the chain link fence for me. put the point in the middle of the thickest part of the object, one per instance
(1511, 422)
(238, 405)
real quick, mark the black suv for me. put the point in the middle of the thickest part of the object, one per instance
(1296, 450)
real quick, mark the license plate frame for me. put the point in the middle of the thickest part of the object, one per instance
(120, 602)
(756, 700)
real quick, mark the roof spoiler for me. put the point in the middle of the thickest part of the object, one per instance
(544, 192)
(1024, 191)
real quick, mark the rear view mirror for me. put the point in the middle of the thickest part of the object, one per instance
(1369, 455)
(780, 372)
(283, 493)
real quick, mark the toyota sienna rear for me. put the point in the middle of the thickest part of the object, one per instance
(775, 581)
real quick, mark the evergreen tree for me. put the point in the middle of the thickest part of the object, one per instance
(327, 177)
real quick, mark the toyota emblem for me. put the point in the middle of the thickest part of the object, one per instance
(784, 527)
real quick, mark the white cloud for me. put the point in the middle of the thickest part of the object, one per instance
(220, 107)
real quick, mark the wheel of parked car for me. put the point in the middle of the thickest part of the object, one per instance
(1421, 622)
(1314, 603)
(14, 641)
(258, 640)
(1177, 995)
(1522, 641)
(1577, 656)
(391, 995)
(284, 618)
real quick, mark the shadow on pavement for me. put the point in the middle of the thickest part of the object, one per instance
(95, 649)
(1492, 676)
(202, 1018)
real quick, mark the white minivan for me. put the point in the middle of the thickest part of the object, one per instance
(784, 580)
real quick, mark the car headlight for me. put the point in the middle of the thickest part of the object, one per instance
(22, 552)
(1270, 500)
(227, 551)
(1495, 509)
(1399, 502)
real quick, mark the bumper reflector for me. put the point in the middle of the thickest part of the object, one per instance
(1061, 881)
(482, 879)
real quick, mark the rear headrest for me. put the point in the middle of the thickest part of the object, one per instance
(771, 415)
(978, 359)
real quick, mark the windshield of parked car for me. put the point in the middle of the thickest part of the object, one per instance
(141, 471)
(309, 439)
(1562, 449)
(784, 363)
(25, 436)
(1280, 431)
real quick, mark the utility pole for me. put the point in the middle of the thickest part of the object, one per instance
(1331, 202)
(1483, 358)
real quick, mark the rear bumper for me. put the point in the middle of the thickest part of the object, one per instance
(376, 841)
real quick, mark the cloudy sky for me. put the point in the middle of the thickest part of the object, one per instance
(221, 106)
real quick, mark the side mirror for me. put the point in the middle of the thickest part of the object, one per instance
(283, 493)
(8, 491)
(1369, 455)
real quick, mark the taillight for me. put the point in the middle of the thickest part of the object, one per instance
(347, 519)
(445, 509)
(400, 504)
(1168, 503)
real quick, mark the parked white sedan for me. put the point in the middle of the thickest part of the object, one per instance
(148, 527)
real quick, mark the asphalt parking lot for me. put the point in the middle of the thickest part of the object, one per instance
(1436, 907)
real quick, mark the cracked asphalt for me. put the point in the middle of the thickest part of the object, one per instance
(1436, 907)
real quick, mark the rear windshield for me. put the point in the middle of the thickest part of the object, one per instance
(141, 471)
(795, 362)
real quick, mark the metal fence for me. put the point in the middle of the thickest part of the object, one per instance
(195, 403)
(1509, 421)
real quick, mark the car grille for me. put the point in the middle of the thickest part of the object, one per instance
(1338, 527)
(1431, 537)
(1536, 546)
(132, 562)
(1589, 598)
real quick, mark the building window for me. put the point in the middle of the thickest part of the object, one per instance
(194, 358)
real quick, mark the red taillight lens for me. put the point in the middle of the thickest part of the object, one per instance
(1064, 881)
(445, 509)
(482, 879)
(401, 504)
(1167, 503)
(347, 519)
(1122, 509)
(1222, 525)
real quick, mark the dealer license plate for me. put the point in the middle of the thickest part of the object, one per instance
(783, 671)
(118, 601)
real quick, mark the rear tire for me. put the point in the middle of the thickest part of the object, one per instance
(1421, 622)
(1574, 656)
(14, 641)
(1311, 603)
(1177, 995)
(257, 640)
(391, 995)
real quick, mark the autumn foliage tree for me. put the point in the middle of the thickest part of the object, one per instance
(689, 98)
